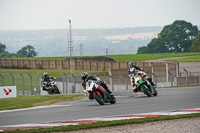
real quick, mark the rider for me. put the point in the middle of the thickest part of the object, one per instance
(85, 77)
(134, 69)
(46, 80)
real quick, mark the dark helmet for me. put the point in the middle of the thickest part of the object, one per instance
(131, 64)
(84, 75)
(45, 74)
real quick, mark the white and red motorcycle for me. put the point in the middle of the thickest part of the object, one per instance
(98, 93)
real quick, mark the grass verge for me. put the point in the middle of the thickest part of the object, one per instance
(35, 100)
(105, 124)
(187, 59)
(128, 57)
(54, 73)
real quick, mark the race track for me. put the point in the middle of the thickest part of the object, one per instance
(167, 99)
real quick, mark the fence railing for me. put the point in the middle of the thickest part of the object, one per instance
(29, 84)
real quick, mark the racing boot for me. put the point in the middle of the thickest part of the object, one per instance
(153, 85)
(106, 88)
(135, 89)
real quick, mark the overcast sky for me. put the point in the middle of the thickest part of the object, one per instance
(55, 14)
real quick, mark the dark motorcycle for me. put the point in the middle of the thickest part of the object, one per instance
(51, 87)
(98, 93)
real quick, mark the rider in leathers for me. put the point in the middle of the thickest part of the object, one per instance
(46, 81)
(85, 77)
(133, 69)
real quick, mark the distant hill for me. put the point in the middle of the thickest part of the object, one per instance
(50, 43)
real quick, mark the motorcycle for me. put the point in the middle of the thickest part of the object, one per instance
(142, 84)
(51, 87)
(98, 93)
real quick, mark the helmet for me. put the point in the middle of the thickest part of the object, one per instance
(84, 75)
(45, 74)
(131, 64)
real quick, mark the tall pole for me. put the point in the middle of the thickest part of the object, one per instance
(70, 47)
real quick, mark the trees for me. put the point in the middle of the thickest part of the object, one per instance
(196, 44)
(176, 37)
(2, 48)
(27, 51)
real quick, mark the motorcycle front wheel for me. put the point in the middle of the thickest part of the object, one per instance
(146, 90)
(98, 98)
(50, 91)
(112, 99)
(155, 93)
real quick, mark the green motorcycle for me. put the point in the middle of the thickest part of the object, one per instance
(144, 86)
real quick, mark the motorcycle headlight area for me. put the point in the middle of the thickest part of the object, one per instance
(94, 87)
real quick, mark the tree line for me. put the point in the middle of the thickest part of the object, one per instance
(180, 36)
(27, 51)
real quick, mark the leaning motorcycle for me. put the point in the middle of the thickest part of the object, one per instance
(98, 93)
(142, 84)
(51, 87)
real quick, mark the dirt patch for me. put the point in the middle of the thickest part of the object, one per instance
(98, 58)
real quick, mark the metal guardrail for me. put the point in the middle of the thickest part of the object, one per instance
(28, 84)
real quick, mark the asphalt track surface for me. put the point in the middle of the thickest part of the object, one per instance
(127, 103)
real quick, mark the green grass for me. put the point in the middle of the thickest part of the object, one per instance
(187, 59)
(129, 57)
(105, 124)
(54, 73)
(142, 57)
(35, 100)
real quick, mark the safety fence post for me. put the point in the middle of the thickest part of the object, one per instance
(12, 78)
(2, 79)
(126, 81)
(187, 79)
(154, 79)
(111, 82)
(40, 82)
(73, 84)
(31, 84)
(171, 78)
(67, 83)
(64, 83)
(22, 83)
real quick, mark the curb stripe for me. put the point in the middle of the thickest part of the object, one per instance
(97, 119)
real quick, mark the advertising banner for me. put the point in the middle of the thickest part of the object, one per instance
(8, 91)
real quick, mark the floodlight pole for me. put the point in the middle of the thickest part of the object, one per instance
(70, 47)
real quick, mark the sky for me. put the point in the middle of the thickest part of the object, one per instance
(84, 14)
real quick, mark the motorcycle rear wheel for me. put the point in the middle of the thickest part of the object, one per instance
(56, 90)
(99, 99)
